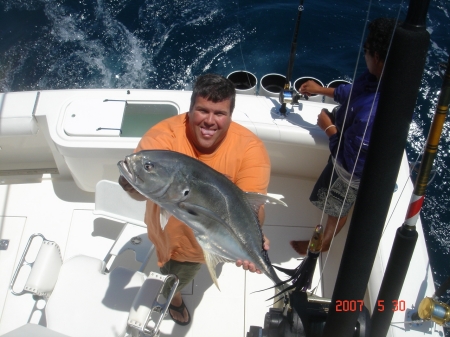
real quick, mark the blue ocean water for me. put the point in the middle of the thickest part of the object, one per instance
(57, 44)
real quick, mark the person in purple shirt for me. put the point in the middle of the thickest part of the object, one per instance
(352, 123)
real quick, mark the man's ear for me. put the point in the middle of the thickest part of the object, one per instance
(376, 57)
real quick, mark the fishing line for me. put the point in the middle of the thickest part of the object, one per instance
(420, 321)
(401, 193)
(365, 130)
(406, 182)
(240, 43)
(339, 145)
(245, 67)
(346, 110)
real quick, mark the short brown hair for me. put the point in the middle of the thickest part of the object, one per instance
(214, 88)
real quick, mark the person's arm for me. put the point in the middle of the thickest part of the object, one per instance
(255, 177)
(261, 217)
(325, 123)
(355, 146)
(312, 87)
(355, 151)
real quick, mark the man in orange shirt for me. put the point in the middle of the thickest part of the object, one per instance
(208, 134)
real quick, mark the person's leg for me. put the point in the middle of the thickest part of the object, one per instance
(329, 232)
(185, 272)
(177, 300)
(318, 197)
(301, 247)
(335, 201)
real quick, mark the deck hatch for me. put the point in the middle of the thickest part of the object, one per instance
(114, 118)
(141, 116)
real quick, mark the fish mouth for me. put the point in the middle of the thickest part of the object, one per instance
(125, 171)
(131, 176)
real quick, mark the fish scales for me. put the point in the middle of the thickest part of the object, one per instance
(222, 216)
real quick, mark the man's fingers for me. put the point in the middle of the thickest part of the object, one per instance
(246, 265)
(266, 243)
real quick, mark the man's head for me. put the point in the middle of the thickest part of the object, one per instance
(377, 43)
(209, 117)
(214, 88)
(379, 37)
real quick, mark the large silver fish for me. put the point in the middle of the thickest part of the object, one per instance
(223, 217)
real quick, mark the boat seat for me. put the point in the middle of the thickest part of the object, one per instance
(111, 201)
(85, 301)
(83, 298)
(83, 291)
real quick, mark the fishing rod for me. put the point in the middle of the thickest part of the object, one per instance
(430, 151)
(287, 95)
(429, 308)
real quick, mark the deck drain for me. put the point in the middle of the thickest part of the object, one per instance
(4, 244)
(136, 240)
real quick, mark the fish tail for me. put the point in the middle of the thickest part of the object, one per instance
(289, 272)
(283, 292)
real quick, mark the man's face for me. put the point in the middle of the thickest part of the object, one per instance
(209, 123)
(373, 62)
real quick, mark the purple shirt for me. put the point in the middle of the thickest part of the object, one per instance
(362, 106)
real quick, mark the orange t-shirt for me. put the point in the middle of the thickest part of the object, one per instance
(241, 156)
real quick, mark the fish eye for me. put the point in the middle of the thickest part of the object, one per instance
(148, 166)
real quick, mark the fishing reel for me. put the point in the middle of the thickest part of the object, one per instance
(431, 309)
(306, 318)
(289, 96)
(434, 310)
(275, 324)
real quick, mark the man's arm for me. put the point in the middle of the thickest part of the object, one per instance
(261, 217)
(246, 265)
(254, 176)
(311, 87)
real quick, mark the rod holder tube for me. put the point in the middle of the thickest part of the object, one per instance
(395, 273)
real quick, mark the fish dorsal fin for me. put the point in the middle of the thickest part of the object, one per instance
(212, 261)
(163, 217)
(256, 200)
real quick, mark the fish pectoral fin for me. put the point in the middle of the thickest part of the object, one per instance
(163, 217)
(260, 199)
(212, 260)
(256, 200)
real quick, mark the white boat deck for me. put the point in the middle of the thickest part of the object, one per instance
(64, 214)
(53, 205)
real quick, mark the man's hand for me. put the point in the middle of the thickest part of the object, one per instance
(310, 87)
(130, 189)
(323, 119)
(246, 265)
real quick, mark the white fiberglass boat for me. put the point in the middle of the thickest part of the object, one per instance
(56, 146)
(94, 272)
